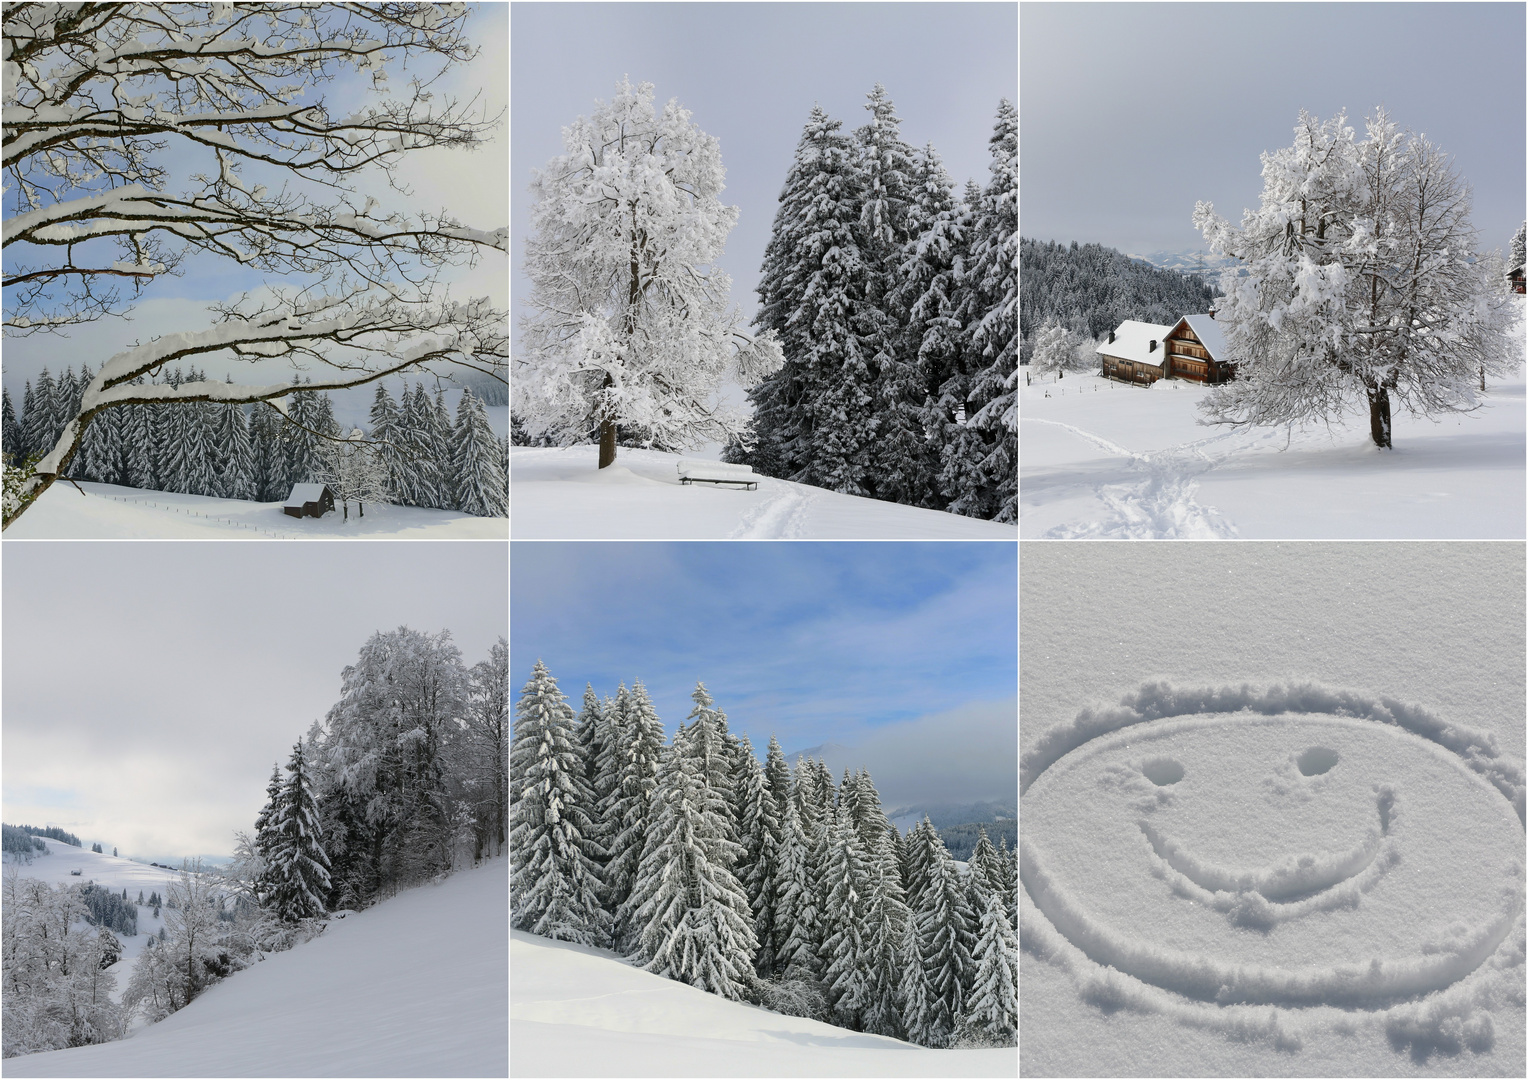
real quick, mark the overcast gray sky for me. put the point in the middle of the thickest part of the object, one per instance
(1130, 113)
(904, 651)
(750, 74)
(148, 686)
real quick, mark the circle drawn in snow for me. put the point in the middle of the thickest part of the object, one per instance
(1294, 847)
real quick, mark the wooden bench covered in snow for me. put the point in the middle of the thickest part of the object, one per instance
(716, 472)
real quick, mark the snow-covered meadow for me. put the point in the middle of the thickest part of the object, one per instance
(581, 1011)
(1099, 458)
(559, 494)
(411, 987)
(1281, 844)
(90, 511)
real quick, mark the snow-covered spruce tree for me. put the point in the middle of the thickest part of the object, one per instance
(586, 731)
(989, 438)
(760, 827)
(626, 327)
(706, 737)
(695, 924)
(476, 468)
(629, 813)
(992, 1007)
(94, 184)
(798, 921)
(1008, 867)
(265, 835)
(11, 443)
(945, 934)
(846, 948)
(387, 434)
(37, 413)
(555, 883)
(426, 478)
(1358, 284)
(920, 1014)
(985, 872)
(899, 467)
(440, 448)
(299, 866)
(236, 474)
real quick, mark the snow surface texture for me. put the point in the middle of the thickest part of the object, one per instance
(559, 494)
(111, 512)
(411, 987)
(1103, 459)
(579, 1011)
(1288, 875)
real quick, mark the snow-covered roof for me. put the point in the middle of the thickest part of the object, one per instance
(1207, 330)
(1132, 340)
(305, 493)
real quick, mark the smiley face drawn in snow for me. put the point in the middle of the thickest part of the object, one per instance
(1272, 857)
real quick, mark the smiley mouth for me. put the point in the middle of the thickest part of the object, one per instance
(1294, 878)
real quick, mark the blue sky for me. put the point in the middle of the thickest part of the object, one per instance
(750, 74)
(1129, 113)
(904, 651)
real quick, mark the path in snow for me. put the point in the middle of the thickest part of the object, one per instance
(1160, 505)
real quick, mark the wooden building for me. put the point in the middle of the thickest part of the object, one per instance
(1192, 348)
(308, 500)
(1134, 352)
(1515, 276)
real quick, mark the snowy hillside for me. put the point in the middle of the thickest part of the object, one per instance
(411, 987)
(577, 1011)
(1104, 459)
(110, 512)
(559, 494)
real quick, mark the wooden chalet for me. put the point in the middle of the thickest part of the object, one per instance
(1134, 352)
(1515, 276)
(308, 500)
(1192, 348)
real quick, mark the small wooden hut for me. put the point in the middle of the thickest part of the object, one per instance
(308, 500)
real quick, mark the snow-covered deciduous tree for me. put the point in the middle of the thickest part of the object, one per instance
(1056, 349)
(299, 867)
(193, 954)
(106, 106)
(695, 923)
(555, 881)
(628, 324)
(1359, 284)
(352, 466)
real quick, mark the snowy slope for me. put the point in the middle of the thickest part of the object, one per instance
(111, 512)
(577, 1011)
(1102, 459)
(560, 494)
(414, 986)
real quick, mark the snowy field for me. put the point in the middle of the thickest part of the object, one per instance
(1104, 459)
(1272, 811)
(577, 1011)
(111, 512)
(411, 987)
(559, 494)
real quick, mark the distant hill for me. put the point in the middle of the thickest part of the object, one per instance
(961, 839)
(827, 751)
(1091, 289)
(1188, 262)
(941, 816)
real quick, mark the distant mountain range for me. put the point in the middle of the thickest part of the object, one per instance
(945, 815)
(822, 750)
(1186, 262)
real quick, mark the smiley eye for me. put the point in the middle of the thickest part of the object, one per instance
(1316, 760)
(1162, 771)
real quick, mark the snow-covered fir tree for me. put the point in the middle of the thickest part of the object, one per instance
(945, 934)
(265, 833)
(705, 735)
(555, 879)
(299, 865)
(798, 922)
(846, 945)
(629, 812)
(920, 1015)
(694, 916)
(629, 324)
(477, 469)
(760, 827)
(992, 1007)
(11, 442)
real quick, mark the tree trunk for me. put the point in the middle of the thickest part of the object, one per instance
(1379, 416)
(607, 432)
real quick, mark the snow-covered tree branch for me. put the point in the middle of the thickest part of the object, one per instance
(140, 136)
(629, 324)
(1360, 284)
